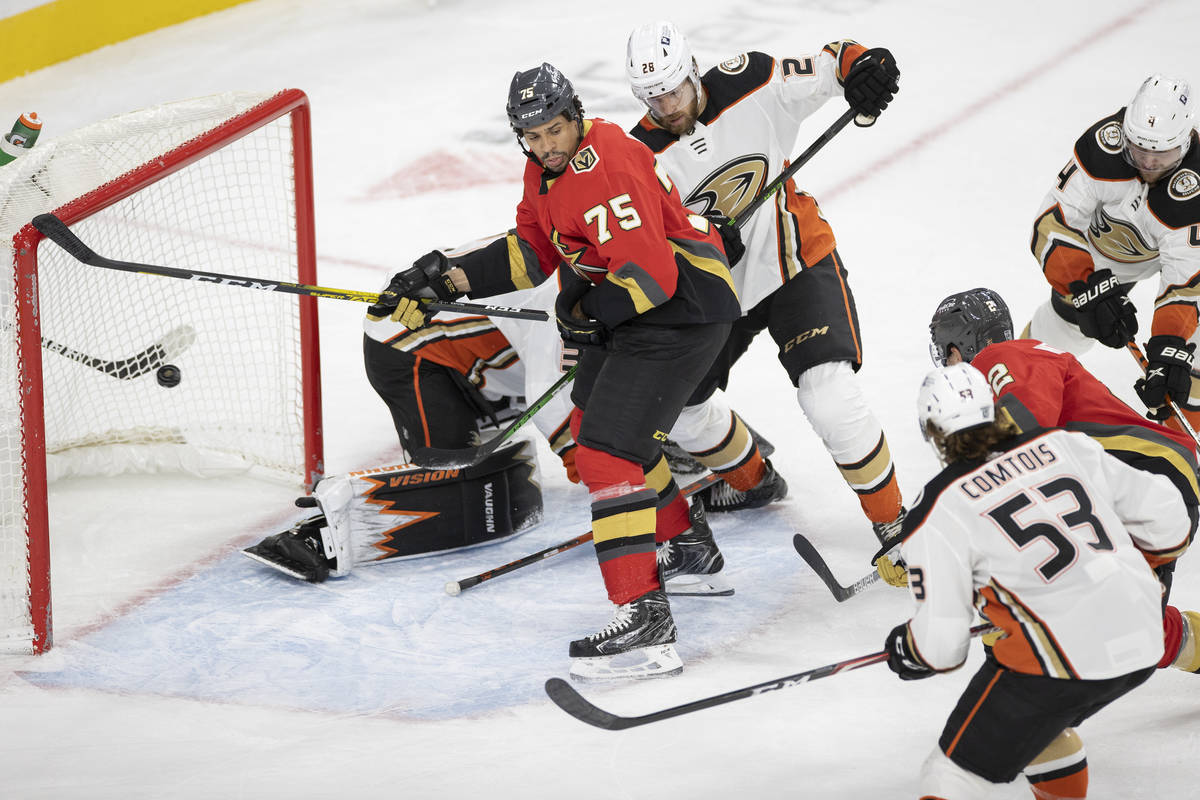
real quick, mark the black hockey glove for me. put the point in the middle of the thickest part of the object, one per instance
(731, 237)
(425, 279)
(901, 659)
(1103, 309)
(572, 327)
(871, 83)
(1168, 374)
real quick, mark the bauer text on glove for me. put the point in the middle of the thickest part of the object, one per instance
(1103, 309)
(1168, 373)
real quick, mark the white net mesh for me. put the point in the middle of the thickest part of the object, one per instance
(104, 334)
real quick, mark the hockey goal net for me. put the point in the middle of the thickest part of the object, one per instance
(89, 357)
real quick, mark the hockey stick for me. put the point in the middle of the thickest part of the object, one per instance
(458, 458)
(126, 369)
(1137, 353)
(840, 593)
(572, 702)
(56, 231)
(455, 587)
(800, 161)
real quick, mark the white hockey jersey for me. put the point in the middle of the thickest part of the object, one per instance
(1045, 541)
(743, 139)
(1100, 214)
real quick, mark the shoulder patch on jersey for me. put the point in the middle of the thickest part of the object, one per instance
(1111, 138)
(1184, 184)
(732, 66)
(585, 160)
(725, 86)
(1098, 151)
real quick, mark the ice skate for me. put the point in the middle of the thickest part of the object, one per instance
(688, 564)
(721, 497)
(639, 642)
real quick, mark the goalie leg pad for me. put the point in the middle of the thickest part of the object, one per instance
(404, 511)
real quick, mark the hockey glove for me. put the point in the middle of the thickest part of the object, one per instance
(871, 83)
(425, 279)
(902, 659)
(573, 327)
(1168, 374)
(731, 237)
(891, 566)
(1103, 309)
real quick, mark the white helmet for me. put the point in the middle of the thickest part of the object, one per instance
(658, 59)
(1159, 119)
(955, 398)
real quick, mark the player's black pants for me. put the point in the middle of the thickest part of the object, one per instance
(812, 319)
(1004, 719)
(431, 405)
(632, 391)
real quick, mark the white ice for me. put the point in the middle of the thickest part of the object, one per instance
(182, 670)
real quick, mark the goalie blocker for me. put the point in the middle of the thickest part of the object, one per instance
(397, 512)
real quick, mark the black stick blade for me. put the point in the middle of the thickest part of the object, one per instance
(565, 697)
(840, 593)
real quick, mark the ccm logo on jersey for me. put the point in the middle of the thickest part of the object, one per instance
(1080, 300)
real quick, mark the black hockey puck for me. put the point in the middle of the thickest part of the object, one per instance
(168, 375)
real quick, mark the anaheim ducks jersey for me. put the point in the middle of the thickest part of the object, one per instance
(1100, 214)
(743, 139)
(1039, 386)
(614, 218)
(1044, 540)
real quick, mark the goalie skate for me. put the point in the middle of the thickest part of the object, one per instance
(638, 643)
(297, 552)
(688, 564)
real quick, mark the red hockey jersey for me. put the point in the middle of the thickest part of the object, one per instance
(615, 218)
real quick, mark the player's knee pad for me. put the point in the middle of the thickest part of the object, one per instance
(832, 399)
(601, 471)
(1048, 327)
(941, 777)
(400, 512)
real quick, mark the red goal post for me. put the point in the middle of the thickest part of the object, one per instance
(211, 183)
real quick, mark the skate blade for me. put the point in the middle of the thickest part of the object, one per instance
(655, 661)
(698, 586)
(276, 565)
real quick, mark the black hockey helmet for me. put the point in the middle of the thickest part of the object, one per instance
(970, 321)
(538, 95)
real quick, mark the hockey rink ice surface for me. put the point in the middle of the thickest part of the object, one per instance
(181, 669)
